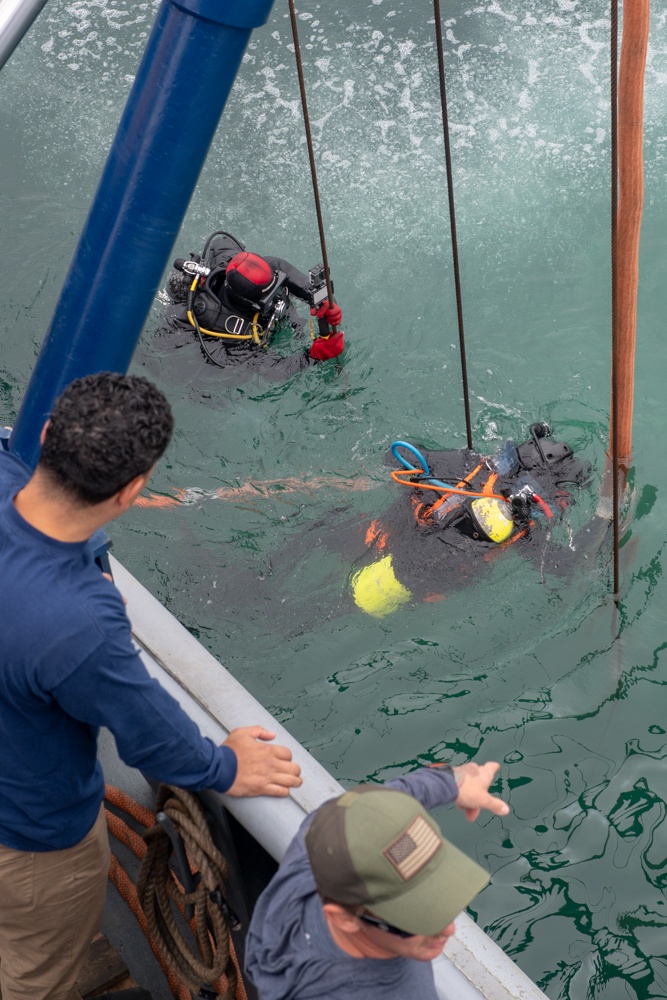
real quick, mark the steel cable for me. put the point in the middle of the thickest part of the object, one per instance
(452, 218)
(311, 154)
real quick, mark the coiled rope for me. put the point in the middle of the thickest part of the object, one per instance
(160, 903)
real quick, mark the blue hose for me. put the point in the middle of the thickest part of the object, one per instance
(404, 462)
(423, 469)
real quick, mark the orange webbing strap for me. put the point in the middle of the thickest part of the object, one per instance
(128, 890)
(487, 488)
(471, 475)
(460, 485)
(398, 475)
(376, 534)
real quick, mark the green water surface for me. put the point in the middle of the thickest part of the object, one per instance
(517, 666)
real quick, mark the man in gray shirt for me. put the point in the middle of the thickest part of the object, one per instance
(367, 892)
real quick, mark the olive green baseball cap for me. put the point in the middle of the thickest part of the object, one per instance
(380, 849)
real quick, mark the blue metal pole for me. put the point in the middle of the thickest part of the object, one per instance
(185, 76)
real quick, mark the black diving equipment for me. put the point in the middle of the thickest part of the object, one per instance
(268, 311)
(264, 304)
(490, 499)
(490, 519)
(523, 501)
(192, 268)
(480, 515)
(318, 286)
(539, 452)
(462, 509)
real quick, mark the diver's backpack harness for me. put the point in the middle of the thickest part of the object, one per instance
(267, 314)
(489, 516)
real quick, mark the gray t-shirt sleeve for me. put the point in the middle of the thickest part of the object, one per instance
(431, 786)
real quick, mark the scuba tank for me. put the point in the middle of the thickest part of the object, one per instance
(486, 519)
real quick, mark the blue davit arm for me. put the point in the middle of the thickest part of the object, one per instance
(187, 71)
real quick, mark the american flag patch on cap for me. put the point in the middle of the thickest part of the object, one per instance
(414, 848)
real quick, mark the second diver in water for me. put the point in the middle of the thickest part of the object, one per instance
(460, 511)
(460, 508)
(233, 301)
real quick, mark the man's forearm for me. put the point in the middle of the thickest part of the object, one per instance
(431, 786)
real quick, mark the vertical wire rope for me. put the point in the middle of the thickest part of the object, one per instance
(309, 141)
(452, 217)
(614, 282)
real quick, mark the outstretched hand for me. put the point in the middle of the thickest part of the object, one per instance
(263, 768)
(474, 781)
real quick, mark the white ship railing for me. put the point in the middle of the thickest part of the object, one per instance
(474, 966)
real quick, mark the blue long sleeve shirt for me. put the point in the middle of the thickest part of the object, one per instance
(67, 667)
(290, 954)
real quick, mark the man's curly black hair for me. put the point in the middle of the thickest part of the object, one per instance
(105, 430)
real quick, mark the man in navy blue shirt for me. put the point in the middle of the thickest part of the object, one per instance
(67, 667)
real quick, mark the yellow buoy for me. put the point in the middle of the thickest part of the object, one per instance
(376, 589)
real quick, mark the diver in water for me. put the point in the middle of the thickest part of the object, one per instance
(457, 511)
(233, 301)
(460, 509)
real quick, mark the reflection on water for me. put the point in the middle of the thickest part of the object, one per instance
(561, 887)
(521, 666)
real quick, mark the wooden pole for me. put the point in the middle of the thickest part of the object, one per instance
(636, 15)
(627, 186)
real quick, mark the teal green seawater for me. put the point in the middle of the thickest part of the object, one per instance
(518, 666)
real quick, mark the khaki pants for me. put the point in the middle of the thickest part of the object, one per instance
(51, 905)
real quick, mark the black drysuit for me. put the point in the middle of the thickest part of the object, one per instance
(219, 310)
(421, 548)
